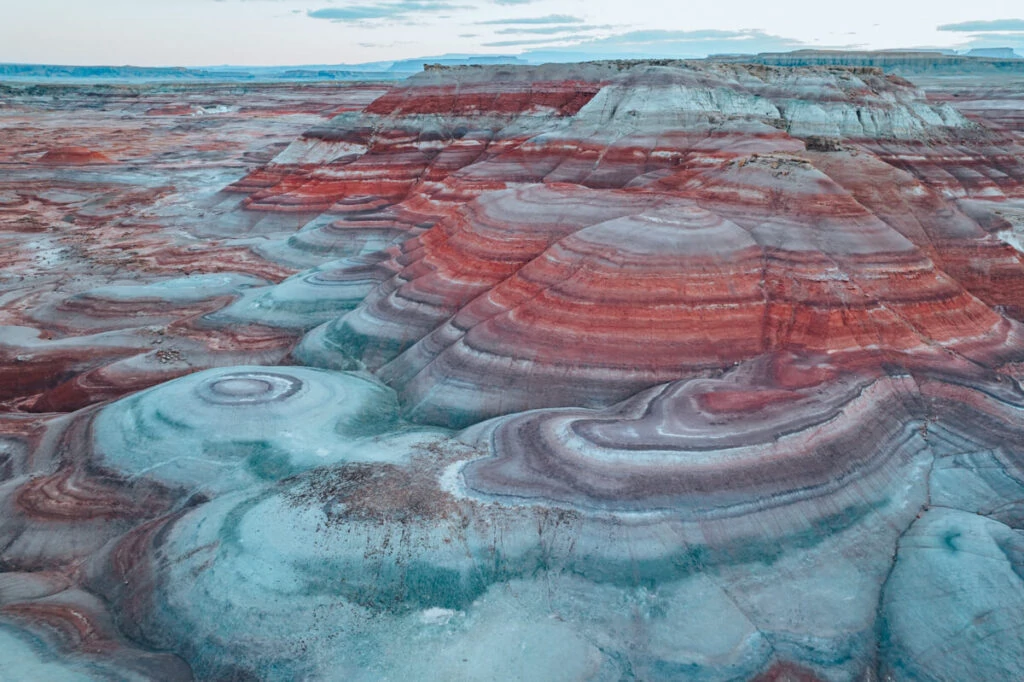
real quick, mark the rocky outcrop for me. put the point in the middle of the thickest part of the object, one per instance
(674, 224)
(902, 62)
(73, 156)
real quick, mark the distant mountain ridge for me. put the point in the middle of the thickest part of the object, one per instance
(345, 72)
(900, 62)
(121, 73)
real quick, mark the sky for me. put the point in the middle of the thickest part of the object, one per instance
(282, 32)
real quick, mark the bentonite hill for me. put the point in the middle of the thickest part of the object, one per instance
(652, 370)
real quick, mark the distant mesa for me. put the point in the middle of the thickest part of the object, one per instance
(994, 53)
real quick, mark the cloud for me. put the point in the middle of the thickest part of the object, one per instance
(512, 2)
(549, 19)
(988, 34)
(548, 30)
(655, 36)
(994, 26)
(671, 44)
(515, 43)
(381, 10)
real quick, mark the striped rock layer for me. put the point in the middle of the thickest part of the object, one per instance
(734, 352)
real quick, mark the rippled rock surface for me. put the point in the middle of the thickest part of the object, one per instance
(608, 371)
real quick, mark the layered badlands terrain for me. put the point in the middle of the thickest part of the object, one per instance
(621, 370)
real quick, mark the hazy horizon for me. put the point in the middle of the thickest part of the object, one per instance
(286, 32)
